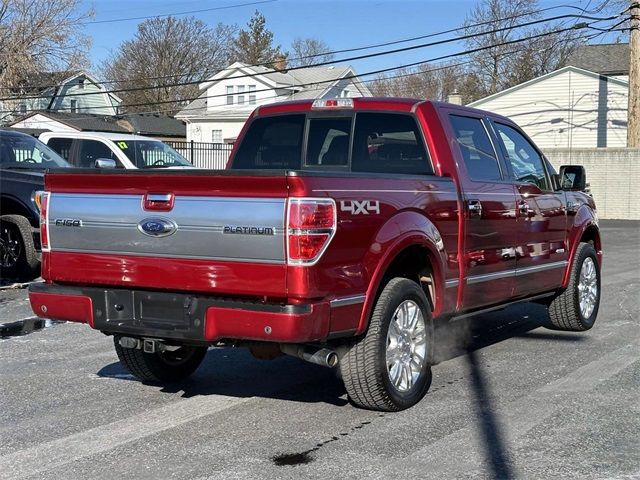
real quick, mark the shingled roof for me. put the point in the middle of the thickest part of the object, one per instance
(155, 124)
(605, 59)
(143, 124)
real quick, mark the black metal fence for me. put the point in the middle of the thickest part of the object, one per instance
(204, 155)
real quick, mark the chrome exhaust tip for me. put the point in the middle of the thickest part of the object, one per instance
(324, 357)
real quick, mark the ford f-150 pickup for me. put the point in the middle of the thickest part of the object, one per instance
(340, 229)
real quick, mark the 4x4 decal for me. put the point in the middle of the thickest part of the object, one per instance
(360, 208)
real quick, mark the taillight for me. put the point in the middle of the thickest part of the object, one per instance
(44, 220)
(311, 224)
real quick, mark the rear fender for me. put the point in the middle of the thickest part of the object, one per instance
(404, 230)
(584, 220)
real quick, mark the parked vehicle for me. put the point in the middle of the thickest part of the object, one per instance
(23, 160)
(113, 150)
(339, 231)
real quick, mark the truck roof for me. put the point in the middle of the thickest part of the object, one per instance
(94, 135)
(403, 104)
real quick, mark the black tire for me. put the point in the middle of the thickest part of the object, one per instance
(160, 367)
(364, 366)
(564, 310)
(18, 257)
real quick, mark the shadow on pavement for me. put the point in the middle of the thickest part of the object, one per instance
(465, 337)
(234, 372)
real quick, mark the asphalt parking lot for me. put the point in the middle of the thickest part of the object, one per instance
(509, 399)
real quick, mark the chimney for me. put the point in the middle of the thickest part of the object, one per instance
(455, 98)
(280, 63)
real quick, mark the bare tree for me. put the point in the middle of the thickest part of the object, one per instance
(39, 36)
(308, 51)
(433, 82)
(166, 51)
(501, 65)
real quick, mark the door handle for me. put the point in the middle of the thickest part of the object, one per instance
(524, 208)
(475, 208)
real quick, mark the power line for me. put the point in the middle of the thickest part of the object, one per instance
(175, 14)
(349, 59)
(347, 50)
(412, 73)
(384, 70)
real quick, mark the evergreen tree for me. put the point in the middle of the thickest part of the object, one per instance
(255, 44)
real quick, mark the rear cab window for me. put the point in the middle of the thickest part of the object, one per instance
(272, 143)
(389, 143)
(381, 143)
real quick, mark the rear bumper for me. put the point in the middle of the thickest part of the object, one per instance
(179, 316)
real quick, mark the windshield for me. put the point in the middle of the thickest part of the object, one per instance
(151, 154)
(18, 150)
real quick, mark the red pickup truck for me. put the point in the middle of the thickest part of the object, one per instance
(340, 229)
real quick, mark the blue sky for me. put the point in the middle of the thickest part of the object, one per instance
(341, 24)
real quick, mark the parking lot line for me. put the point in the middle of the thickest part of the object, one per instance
(49, 455)
(460, 454)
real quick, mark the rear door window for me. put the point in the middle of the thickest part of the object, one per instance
(62, 146)
(92, 150)
(475, 146)
(272, 143)
(388, 143)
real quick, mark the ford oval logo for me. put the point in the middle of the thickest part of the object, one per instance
(157, 227)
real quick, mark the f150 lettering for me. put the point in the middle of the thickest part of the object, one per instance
(68, 222)
(339, 232)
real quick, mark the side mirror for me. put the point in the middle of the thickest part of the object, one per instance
(105, 163)
(572, 177)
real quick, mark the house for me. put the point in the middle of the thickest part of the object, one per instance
(76, 92)
(228, 97)
(151, 125)
(577, 106)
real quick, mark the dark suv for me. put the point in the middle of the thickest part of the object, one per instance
(23, 161)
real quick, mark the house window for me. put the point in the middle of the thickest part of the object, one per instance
(230, 95)
(252, 94)
(81, 84)
(74, 106)
(240, 97)
(22, 108)
(216, 136)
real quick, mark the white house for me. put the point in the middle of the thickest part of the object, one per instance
(229, 97)
(581, 105)
(570, 107)
(76, 93)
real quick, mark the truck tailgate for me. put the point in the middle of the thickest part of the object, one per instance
(169, 230)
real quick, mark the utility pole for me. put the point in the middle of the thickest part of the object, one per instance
(633, 124)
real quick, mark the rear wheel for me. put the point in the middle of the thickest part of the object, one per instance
(576, 308)
(389, 369)
(18, 257)
(160, 367)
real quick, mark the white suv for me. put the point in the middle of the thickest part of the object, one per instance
(113, 150)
